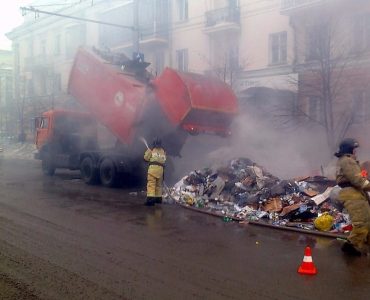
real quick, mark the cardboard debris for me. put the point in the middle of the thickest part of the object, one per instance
(322, 197)
(273, 205)
(310, 192)
(289, 209)
(242, 190)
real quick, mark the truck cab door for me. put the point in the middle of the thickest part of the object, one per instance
(42, 125)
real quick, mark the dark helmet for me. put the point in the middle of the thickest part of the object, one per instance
(157, 142)
(347, 146)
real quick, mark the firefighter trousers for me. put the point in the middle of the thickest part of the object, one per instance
(359, 212)
(154, 186)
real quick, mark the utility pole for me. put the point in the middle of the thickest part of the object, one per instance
(1, 108)
(136, 31)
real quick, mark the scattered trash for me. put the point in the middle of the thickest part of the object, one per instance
(307, 267)
(227, 219)
(322, 197)
(244, 191)
(133, 193)
(341, 240)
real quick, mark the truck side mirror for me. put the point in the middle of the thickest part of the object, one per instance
(37, 122)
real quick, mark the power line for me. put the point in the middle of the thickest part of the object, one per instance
(183, 28)
(57, 4)
(242, 16)
(37, 11)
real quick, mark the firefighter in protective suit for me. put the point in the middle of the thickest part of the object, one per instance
(353, 195)
(156, 158)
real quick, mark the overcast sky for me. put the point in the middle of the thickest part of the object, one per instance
(10, 17)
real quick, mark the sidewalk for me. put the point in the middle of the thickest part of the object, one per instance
(18, 150)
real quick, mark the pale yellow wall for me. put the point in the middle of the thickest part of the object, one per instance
(258, 21)
(189, 35)
(342, 28)
(61, 62)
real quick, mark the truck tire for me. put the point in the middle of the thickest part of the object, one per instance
(89, 173)
(108, 173)
(47, 165)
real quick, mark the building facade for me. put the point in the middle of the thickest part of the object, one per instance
(332, 60)
(229, 39)
(266, 50)
(7, 109)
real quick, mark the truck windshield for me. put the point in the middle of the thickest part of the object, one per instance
(44, 123)
(73, 124)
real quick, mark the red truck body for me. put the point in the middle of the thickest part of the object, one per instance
(120, 94)
(191, 101)
(114, 98)
(196, 102)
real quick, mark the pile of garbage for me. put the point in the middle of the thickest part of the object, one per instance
(244, 191)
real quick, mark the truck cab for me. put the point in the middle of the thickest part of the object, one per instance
(61, 136)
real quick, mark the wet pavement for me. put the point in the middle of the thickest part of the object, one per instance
(61, 239)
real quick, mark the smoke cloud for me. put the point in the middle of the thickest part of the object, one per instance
(284, 153)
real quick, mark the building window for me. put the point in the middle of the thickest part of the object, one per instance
(318, 39)
(182, 60)
(159, 62)
(43, 85)
(315, 108)
(57, 44)
(233, 58)
(44, 123)
(233, 3)
(361, 106)
(278, 48)
(43, 47)
(30, 48)
(30, 88)
(57, 83)
(183, 10)
(75, 37)
(217, 4)
(8, 88)
(110, 37)
(361, 33)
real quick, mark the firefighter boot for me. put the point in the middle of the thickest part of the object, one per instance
(158, 200)
(149, 201)
(349, 249)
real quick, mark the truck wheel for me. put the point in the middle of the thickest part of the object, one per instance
(89, 174)
(108, 173)
(47, 166)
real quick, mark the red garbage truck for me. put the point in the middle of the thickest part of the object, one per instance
(120, 94)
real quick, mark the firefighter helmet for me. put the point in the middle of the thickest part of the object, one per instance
(347, 146)
(157, 142)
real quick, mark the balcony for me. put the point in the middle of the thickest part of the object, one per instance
(154, 36)
(38, 63)
(291, 6)
(223, 20)
(153, 23)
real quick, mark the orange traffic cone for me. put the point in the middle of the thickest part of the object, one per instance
(307, 267)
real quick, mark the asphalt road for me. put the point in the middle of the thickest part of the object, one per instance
(61, 239)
